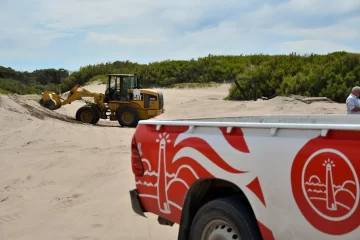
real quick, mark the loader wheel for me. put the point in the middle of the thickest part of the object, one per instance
(86, 114)
(225, 218)
(128, 116)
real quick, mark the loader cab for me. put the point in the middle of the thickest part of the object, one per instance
(118, 86)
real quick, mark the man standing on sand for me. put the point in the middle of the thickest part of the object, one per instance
(353, 102)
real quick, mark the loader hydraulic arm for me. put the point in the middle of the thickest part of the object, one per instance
(78, 95)
(53, 101)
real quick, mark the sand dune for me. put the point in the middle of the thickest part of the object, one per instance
(60, 179)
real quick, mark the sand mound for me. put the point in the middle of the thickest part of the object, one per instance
(34, 108)
(30, 105)
(6, 103)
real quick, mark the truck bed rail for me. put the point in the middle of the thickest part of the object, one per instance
(272, 122)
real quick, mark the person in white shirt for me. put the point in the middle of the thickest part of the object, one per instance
(353, 102)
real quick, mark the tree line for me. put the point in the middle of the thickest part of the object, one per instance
(12, 81)
(331, 75)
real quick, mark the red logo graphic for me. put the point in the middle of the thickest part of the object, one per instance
(325, 185)
(172, 165)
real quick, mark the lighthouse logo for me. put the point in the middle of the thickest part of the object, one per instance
(330, 185)
(163, 200)
(326, 189)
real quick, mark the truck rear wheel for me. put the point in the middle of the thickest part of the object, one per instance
(127, 116)
(86, 114)
(224, 218)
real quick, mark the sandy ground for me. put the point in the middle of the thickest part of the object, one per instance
(64, 180)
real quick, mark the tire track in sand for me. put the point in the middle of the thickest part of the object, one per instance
(10, 217)
(72, 201)
(9, 189)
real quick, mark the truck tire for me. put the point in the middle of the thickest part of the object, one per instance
(224, 218)
(86, 114)
(127, 116)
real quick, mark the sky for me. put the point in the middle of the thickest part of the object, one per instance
(38, 34)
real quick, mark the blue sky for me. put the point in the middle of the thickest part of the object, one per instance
(36, 34)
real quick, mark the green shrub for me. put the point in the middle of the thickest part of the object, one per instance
(194, 85)
(332, 75)
(2, 91)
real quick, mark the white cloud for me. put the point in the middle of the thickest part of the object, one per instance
(338, 32)
(308, 7)
(24, 37)
(313, 46)
(70, 14)
(180, 15)
(324, 7)
(78, 32)
(123, 40)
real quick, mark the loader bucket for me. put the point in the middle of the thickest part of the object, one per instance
(50, 100)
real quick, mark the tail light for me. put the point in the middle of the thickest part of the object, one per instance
(137, 165)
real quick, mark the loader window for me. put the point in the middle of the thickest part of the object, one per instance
(112, 83)
(118, 87)
(117, 83)
(128, 83)
(110, 87)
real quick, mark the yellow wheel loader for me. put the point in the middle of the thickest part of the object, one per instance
(124, 100)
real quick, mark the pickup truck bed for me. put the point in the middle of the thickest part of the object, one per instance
(273, 176)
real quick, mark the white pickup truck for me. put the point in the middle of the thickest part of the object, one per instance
(261, 177)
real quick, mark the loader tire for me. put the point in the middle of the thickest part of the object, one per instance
(225, 218)
(86, 114)
(127, 116)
